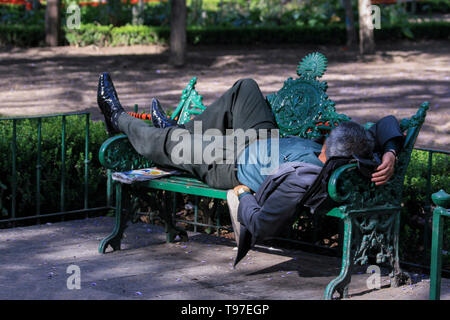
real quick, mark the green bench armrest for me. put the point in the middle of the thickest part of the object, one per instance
(117, 154)
(349, 187)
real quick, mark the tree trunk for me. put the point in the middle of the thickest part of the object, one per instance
(366, 38)
(53, 23)
(114, 8)
(178, 32)
(349, 23)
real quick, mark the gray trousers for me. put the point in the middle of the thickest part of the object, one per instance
(243, 106)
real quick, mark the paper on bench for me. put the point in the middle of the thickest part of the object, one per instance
(141, 175)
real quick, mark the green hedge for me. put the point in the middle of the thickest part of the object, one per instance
(91, 34)
(261, 35)
(414, 204)
(245, 35)
(22, 35)
(51, 164)
(420, 31)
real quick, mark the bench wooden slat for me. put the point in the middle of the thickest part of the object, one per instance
(195, 188)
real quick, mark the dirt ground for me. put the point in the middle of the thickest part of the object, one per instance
(396, 80)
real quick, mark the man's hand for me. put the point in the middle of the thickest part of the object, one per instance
(385, 170)
(239, 187)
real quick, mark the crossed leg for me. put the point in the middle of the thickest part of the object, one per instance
(241, 107)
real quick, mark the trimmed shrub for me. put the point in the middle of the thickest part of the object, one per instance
(415, 217)
(248, 35)
(22, 35)
(91, 34)
(130, 35)
(51, 164)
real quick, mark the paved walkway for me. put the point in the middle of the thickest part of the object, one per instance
(34, 262)
(395, 80)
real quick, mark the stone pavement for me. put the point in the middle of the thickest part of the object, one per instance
(34, 262)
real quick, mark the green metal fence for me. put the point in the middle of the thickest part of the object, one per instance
(427, 207)
(10, 209)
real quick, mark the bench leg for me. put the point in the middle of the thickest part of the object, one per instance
(172, 231)
(115, 238)
(397, 276)
(341, 283)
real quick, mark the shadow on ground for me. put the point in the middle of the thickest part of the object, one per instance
(35, 260)
(396, 80)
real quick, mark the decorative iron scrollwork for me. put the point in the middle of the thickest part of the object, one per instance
(191, 103)
(118, 154)
(301, 107)
(374, 232)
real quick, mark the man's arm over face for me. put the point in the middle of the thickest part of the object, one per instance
(388, 142)
(269, 217)
(387, 134)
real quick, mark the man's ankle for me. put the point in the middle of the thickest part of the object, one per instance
(115, 119)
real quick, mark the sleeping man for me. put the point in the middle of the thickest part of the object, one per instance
(267, 199)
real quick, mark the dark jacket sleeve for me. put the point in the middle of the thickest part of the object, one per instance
(277, 208)
(387, 135)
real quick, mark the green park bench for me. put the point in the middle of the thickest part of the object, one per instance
(370, 214)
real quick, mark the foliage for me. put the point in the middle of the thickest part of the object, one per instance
(423, 30)
(22, 35)
(416, 214)
(130, 35)
(108, 35)
(98, 35)
(429, 6)
(10, 14)
(89, 34)
(92, 34)
(225, 13)
(51, 164)
(396, 15)
(220, 22)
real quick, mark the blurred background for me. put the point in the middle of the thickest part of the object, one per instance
(122, 22)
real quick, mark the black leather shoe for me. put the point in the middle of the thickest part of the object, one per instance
(159, 117)
(109, 103)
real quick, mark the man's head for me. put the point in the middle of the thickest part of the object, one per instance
(348, 139)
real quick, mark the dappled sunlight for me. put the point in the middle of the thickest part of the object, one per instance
(35, 260)
(394, 81)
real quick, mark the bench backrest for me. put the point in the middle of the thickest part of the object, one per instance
(411, 128)
(357, 192)
(301, 107)
(191, 104)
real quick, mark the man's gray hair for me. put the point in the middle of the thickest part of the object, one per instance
(347, 139)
